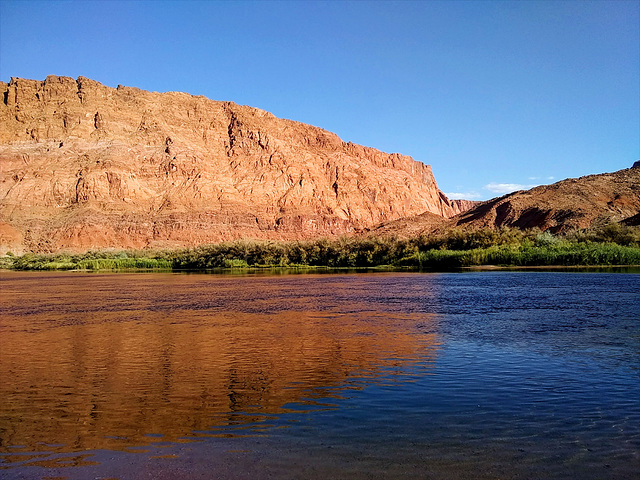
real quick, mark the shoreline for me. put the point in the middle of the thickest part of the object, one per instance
(293, 270)
(473, 252)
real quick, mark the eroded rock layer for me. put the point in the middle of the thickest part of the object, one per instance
(86, 166)
(575, 203)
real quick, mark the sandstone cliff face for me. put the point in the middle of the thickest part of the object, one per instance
(573, 203)
(461, 206)
(87, 166)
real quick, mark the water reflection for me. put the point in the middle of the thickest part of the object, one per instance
(115, 361)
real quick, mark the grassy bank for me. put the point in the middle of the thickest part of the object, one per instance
(92, 261)
(613, 245)
(560, 255)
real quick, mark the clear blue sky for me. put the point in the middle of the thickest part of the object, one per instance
(493, 95)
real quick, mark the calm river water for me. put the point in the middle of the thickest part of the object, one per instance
(388, 375)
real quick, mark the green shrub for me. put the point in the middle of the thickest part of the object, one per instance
(235, 263)
(454, 249)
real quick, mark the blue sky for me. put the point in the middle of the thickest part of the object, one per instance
(495, 96)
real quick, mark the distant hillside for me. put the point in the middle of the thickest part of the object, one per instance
(424, 224)
(573, 203)
(579, 203)
(85, 166)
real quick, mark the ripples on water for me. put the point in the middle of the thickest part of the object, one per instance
(479, 375)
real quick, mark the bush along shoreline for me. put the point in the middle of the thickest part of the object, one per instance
(506, 247)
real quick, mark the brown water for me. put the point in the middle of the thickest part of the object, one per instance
(383, 376)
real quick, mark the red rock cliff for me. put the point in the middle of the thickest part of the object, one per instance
(86, 166)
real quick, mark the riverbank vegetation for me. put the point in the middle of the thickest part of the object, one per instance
(609, 245)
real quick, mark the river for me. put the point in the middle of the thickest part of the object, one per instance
(386, 375)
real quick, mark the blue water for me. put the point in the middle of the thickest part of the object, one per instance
(475, 375)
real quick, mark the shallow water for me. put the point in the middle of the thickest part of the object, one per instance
(387, 375)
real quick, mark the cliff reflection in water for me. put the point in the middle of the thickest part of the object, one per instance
(104, 361)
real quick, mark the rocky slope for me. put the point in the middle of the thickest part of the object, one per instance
(424, 224)
(87, 166)
(461, 206)
(580, 203)
(575, 203)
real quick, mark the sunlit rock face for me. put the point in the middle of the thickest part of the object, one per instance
(575, 203)
(87, 166)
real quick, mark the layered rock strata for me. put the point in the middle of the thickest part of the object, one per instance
(85, 166)
(575, 203)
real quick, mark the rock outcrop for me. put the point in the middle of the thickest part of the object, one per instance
(581, 203)
(461, 206)
(85, 166)
(575, 203)
(424, 224)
